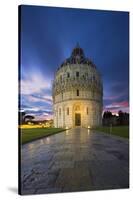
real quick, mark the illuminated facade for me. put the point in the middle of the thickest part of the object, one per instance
(77, 92)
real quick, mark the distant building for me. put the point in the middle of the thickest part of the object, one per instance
(77, 92)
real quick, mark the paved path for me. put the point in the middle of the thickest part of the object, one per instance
(75, 160)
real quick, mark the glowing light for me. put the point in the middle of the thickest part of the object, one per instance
(31, 146)
(89, 127)
(25, 126)
(67, 132)
(47, 140)
(41, 141)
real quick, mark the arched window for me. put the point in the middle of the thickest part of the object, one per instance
(67, 111)
(77, 92)
(87, 110)
(59, 111)
(77, 74)
(68, 74)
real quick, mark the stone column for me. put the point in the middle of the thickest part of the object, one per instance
(63, 110)
(57, 118)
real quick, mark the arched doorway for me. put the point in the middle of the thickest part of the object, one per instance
(77, 119)
(77, 115)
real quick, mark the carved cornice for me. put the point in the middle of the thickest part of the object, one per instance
(80, 99)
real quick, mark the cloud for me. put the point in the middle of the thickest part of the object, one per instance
(114, 96)
(43, 117)
(36, 98)
(35, 83)
(116, 91)
(39, 112)
(116, 106)
(43, 98)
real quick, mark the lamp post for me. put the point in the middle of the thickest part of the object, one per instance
(110, 128)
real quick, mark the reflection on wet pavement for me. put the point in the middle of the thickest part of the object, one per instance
(75, 160)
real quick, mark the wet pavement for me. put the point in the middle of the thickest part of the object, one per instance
(74, 160)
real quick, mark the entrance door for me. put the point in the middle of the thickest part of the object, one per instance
(77, 119)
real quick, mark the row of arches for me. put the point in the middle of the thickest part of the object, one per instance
(60, 111)
(73, 94)
(77, 74)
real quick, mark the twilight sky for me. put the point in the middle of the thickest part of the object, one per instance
(48, 36)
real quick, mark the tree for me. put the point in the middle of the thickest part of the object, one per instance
(107, 118)
(28, 118)
(123, 118)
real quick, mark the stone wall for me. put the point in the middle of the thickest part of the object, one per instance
(90, 112)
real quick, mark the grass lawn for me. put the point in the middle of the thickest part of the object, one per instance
(30, 134)
(122, 131)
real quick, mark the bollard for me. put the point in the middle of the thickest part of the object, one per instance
(110, 128)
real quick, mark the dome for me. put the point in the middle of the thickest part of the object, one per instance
(78, 57)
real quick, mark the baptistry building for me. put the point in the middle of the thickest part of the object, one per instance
(77, 92)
